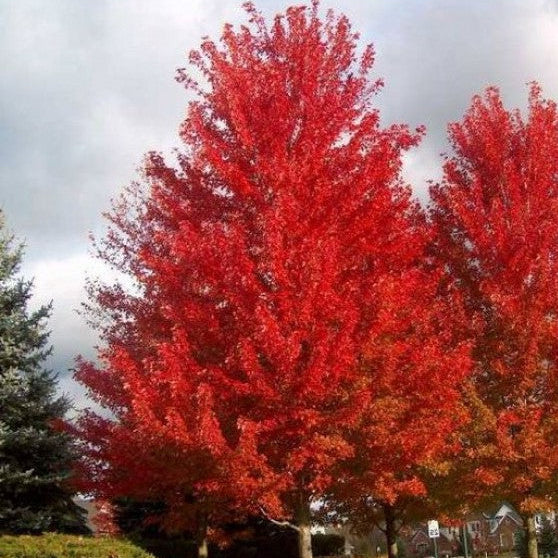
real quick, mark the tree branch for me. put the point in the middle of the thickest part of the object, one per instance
(279, 523)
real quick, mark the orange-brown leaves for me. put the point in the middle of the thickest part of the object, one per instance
(496, 215)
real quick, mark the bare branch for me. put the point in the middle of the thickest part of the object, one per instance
(280, 523)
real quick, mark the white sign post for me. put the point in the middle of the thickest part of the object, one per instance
(434, 533)
(433, 529)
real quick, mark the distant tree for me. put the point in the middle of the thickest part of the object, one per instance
(520, 545)
(35, 458)
(406, 435)
(548, 537)
(496, 218)
(414, 364)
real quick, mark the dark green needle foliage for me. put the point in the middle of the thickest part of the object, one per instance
(35, 458)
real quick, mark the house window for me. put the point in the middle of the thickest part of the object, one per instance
(502, 540)
(517, 538)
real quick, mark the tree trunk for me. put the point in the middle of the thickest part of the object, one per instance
(201, 538)
(202, 549)
(304, 542)
(391, 531)
(531, 532)
(303, 522)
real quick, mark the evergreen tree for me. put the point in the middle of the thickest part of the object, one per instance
(35, 459)
(548, 539)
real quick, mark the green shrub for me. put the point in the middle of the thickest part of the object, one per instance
(327, 545)
(67, 546)
(175, 547)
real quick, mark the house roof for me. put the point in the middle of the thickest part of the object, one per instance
(504, 511)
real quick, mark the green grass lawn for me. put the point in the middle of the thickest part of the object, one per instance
(68, 546)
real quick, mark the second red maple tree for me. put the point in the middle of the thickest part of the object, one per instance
(496, 214)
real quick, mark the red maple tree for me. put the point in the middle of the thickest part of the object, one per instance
(233, 364)
(414, 364)
(496, 214)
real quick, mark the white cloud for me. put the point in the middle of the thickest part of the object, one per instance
(62, 281)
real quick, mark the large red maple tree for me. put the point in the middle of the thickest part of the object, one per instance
(232, 349)
(496, 214)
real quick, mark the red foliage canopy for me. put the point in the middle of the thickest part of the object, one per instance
(413, 363)
(496, 214)
(264, 269)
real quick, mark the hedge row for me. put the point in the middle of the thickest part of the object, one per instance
(71, 546)
(67, 546)
(272, 543)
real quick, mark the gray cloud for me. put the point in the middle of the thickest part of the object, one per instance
(87, 88)
(437, 54)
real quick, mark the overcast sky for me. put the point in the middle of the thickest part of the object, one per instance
(87, 87)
